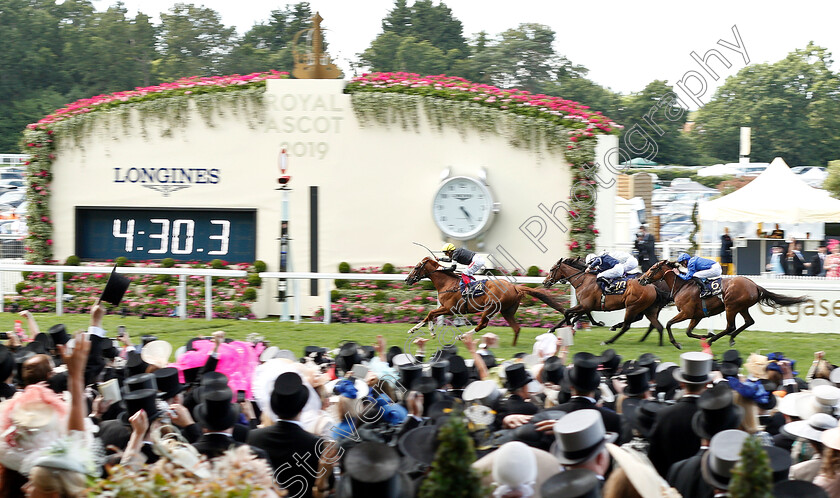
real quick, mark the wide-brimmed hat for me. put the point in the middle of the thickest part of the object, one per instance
(485, 392)
(812, 428)
(716, 412)
(115, 288)
(572, 483)
(157, 353)
(420, 443)
(821, 399)
(516, 376)
(373, 469)
(788, 404)
(217, 412)
(798, 489)
(168, 383)
(638, 381)
(514, 465)
(834, 376)
(584, 374)
(694, 368)
(640, 472)
(289, 395)
(724, 452)
(831, 438)
(142, 399)
(579, 436)
(756, 366)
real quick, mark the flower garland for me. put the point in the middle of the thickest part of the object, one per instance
(169, 101)
(530, 121)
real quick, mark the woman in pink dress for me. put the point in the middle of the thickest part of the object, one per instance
(832, 261)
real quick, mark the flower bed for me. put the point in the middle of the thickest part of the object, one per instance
(148, 295)
(381, 301)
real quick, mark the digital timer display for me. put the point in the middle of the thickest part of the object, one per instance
(158, 233)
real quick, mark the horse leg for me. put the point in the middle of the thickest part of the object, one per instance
(431, 316)
(748, 321)
(693, 323)
(677, 319)
(593, 321)
(653, 316)
(567, 316)
(629, 313)
(510, 316)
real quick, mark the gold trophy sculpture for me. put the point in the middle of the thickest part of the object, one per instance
(314, 64)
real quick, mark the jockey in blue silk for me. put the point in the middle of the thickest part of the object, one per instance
(697, 267)
(628, 260)
(606, 266)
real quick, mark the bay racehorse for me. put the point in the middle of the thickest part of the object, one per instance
(739, 294)
(501, 296)
(637, 300)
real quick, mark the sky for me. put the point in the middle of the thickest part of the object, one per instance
(625, 45)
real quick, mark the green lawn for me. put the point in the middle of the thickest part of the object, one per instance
(295, 336)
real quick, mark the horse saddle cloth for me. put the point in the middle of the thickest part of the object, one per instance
(476, 288)
(614, 287)
(710, 287)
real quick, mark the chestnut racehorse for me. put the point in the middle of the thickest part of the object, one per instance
(738, 295)
(637, 300)
(501, 296)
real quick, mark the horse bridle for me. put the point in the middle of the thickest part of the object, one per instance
(568, 279)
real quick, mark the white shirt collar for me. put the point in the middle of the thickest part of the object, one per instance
(296, 422)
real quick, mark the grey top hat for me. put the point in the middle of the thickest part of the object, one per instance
(579, 436)
(724, 452)
(485, 392)
(694, 368)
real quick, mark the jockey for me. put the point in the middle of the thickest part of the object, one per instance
(465, 257)
(630, 263)
(697, 267)
(606, 266)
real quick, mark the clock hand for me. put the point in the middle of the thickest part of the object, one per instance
(466, 213)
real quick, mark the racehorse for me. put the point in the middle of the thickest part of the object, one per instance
(637, 300)
(501, 296)
(739, 294)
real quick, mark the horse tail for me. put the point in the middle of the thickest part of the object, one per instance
(542, 296)
(777, 300)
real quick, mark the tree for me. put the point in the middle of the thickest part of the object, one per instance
(382, 53)
(832, 181)
(193, 41)
(792, 105)
(269, 45)
(451, 474)
(752, 476)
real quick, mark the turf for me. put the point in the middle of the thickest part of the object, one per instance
(286, 335)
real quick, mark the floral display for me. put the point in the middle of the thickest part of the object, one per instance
(536, 122)
(148, 295)
(388, 301)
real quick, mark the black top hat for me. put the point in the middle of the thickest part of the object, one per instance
(638, 381)
(728, 369)
(732, 356)
(139, 382)
(369, 352)
(316, 352)
(59, 334)
(167, 382)
(716, 412)
(610, 360)
(584, 375)
(143, 399)
(191, 375)
(393, 351)
(373, 469)
(217, 412)
(798, 489)
(779, 462)
(420, 443)
(7, 364)
(649, 361)
(574, 483)
(440, 372)
(115, 288)
(348, 355)
(553, 370)
(45, 340)
(643, 415)
(448, 350)
(488, 357)
(666, 383)
(210, 380)
(459, 371)
(408, 374)
(134, 364)
(289, 395)
(517, 376)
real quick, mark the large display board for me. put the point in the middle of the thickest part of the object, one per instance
(158, 233)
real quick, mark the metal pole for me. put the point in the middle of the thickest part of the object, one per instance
(296, 289)
(2, 291)
(208, 297)
(59, 293)
(182, 297)
(284, 217)
(328, 301)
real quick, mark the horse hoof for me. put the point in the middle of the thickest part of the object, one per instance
(677, 345)
(606, 343)
(598, 324)
(731, 343)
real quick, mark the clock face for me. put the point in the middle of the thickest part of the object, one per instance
(462, 207)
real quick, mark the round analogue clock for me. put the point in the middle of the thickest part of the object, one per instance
(463, 207)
